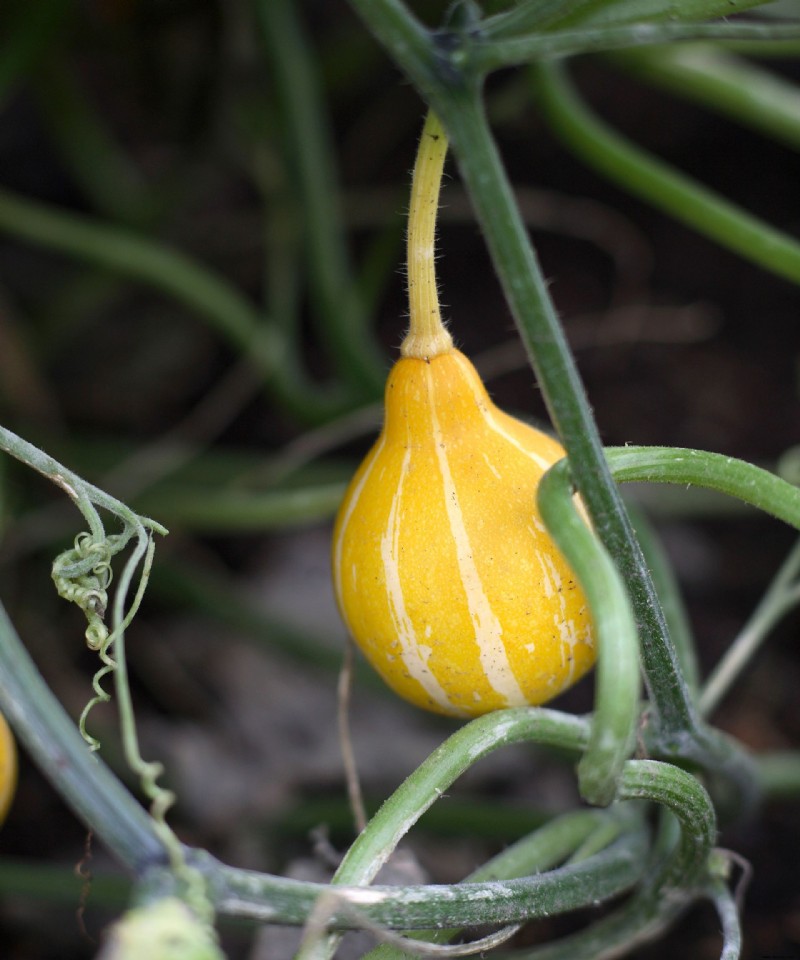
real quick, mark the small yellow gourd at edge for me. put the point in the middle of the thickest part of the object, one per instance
(443, 571)
(8, 767)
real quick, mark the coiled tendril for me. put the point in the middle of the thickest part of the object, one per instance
(82, 575)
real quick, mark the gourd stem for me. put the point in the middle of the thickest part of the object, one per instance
(427, 336)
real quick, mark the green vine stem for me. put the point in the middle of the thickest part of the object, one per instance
(669, 591)
(728, 912)
(616, 700)
(681, 793)
(576, 835)
(617, 683)
(724, 474)
(438, 772)
(549, 15)
(398, 814)
(266, 899)
(84, 495)
(716, 78)
(667, 888)
(492, 55)
(713, 471)
(671, 881)
(658, 183)
(751, 485)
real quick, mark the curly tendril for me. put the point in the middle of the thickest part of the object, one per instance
(82, 575)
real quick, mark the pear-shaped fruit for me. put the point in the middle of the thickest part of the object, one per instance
(443, 570)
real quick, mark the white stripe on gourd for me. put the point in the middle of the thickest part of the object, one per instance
(346, 511)
(488, 630)
(414, 655)
(490, 420)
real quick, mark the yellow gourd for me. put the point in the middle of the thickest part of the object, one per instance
(444, 573)
(8, 767)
